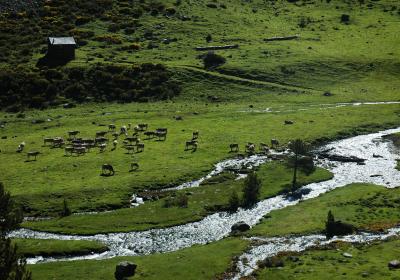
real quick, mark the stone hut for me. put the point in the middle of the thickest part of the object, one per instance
(62, 48)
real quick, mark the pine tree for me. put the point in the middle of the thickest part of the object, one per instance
(12, 266)
(299, 148)
(251, 190)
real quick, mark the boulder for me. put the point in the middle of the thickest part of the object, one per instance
(124, 269)
(347, 255)
(394, 264)
(240, 226)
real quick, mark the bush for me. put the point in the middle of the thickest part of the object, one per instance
(212, 60)
(234, 202)
(180, 201)
(337, 228)
(251, 190)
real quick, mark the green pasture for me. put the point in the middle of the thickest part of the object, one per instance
(197, 262)
(369, 261)
(368, 207)
(210, 197)
(40, 186)
(50, 247)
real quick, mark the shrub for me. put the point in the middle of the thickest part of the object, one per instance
(251, 190)
(212, 60)
(109, 38)
(234, 202)
(337, 228)
(170, 11)
(182, 200)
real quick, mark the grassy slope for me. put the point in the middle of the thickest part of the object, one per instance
(358, 61)
(365, 206)
(198, 262)
(368, 261)
(48, 247)
(275, 177)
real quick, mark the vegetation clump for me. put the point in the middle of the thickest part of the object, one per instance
(337, 228)
(142, 83)
(212, 60)
(251, 190)
(181, 201)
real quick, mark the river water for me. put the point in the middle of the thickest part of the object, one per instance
(379, 168)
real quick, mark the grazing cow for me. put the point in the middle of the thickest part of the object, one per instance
(115, 135)
(263, 146)
(79, 150)
(101, 134)
(143, 126)
(123, 130)
(129, 126)
(58, 142)
(69, 150)
(111, 127)
(100, 140)
(102, 147)
(73, 133)
(136, 130)
(149, 134)
(162, 129)
(32, 154)
(250, 148)
(140, 147)
(134, 166)
(195, 135)
(274, 143)
(130, 148)
(132, 139)
(234, 147)
(21, 147)
(115, 143)
(192, 144)
(107, 169)
(48, 140)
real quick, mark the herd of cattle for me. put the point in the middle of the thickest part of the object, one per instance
(75, 145)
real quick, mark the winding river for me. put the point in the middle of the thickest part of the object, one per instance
(379, 168)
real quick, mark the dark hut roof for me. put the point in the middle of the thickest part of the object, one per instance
(62, 40)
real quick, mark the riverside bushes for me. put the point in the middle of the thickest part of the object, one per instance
(40, 89)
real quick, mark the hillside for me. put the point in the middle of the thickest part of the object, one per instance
(354, 57)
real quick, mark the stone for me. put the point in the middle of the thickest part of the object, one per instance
(347, 255)
(394, 264)
(240, 226)
(69, 105)
(124, 269)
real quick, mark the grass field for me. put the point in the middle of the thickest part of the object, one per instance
(368, 262)
(368, 207)
(212, 196)
(198, 262)
(48, 247)
(40, 186)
